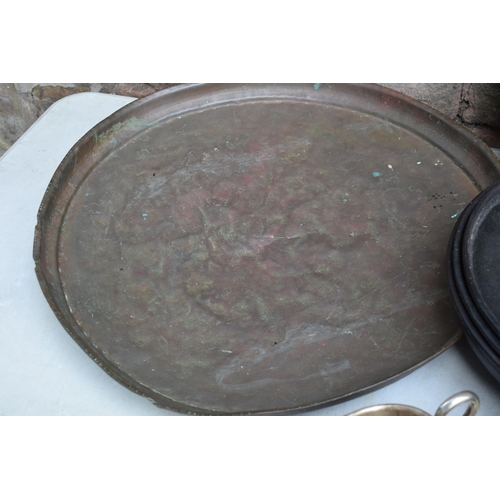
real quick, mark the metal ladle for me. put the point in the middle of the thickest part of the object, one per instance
(410, 411)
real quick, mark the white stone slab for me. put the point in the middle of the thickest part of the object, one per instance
(44, 372)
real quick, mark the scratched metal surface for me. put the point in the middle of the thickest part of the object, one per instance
(232, 249)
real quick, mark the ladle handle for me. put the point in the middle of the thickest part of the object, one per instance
(458, 399)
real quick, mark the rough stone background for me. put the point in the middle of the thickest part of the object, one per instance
(22, 103)
(474, 105)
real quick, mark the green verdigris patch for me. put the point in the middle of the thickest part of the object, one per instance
(132, 124)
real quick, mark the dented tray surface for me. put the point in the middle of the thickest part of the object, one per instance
(232, 249)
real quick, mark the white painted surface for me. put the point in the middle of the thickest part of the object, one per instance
(44, 372)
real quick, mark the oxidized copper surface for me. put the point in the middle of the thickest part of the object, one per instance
(234, 249)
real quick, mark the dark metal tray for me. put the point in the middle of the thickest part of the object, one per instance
(481, 263)
(233, 249)
(467, 302)
(481, 339)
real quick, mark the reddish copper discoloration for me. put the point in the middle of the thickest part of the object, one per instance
(257, 253)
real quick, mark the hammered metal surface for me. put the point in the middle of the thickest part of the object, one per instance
(257, 248)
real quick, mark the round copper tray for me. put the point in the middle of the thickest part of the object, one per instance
(232, 249)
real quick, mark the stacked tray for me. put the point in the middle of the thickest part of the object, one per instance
(474, 275)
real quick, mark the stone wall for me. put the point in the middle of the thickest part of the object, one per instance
(22, 103)
(474, 105)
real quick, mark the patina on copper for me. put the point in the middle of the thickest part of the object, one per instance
(233, 249)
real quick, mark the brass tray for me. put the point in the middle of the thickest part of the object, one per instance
(238, 249)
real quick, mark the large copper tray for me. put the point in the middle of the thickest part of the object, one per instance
(233, 249)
